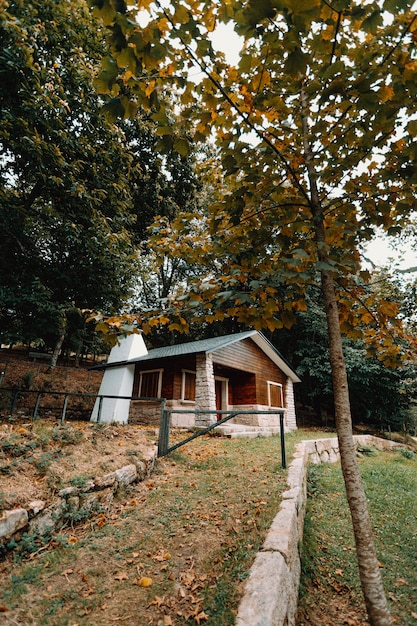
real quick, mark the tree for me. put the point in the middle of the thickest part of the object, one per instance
(380, 397)
(77, 190)
(64, 173)
(328, 92)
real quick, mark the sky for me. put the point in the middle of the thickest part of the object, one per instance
(381, 252)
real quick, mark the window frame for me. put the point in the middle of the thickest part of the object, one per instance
(159, 371)
(280, 386)
(184, 372)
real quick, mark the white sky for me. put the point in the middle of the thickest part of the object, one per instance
(382, 252)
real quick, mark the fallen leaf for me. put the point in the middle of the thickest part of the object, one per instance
(121, 576)
(67, 571)
(339, 572)
(3, 609)
(167, 621)
(201, 617)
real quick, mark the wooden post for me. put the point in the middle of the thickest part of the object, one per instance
(100, 404)
(64, 409)
(13, 404)
(37, 403)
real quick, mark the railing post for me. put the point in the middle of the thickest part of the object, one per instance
(37, 403)
(13, 404)
(100, 404)
(163, 439)
(281, 432)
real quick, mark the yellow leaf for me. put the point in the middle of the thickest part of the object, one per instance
(150, 88)
(386, 93)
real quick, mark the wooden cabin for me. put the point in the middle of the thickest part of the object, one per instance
(243, 371)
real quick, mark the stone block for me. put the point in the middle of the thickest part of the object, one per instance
(105, 481)
(283, 535)
(47, 522)
(127, 474)
(35, 507)
(12, 521)
(267, 592)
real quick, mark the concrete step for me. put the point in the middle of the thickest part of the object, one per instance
(243, 430)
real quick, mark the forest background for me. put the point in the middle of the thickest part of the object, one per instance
(97, 215)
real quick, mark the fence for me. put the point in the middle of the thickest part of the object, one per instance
(81, 411)
(165, 416)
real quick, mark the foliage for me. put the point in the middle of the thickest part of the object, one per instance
(77, 191)
(300, 81)
(379, 396)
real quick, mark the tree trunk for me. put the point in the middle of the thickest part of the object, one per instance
(370, 575)
(369, 572)
(58, 345)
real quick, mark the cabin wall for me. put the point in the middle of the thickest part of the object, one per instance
(247, 369)
(257, 369)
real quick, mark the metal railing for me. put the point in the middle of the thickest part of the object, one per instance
(165, 426)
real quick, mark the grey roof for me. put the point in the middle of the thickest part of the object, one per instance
(194, 347)
(212, 345)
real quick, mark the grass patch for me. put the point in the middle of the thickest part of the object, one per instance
(329, 567)
(193, 528)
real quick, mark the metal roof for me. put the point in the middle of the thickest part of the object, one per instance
(213, 345)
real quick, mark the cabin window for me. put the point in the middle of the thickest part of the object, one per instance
(188, 386)
(275, 396)
(150, 384)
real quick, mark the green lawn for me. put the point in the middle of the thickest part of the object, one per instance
(329, 560)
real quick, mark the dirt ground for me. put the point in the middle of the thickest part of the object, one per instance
(39, 458)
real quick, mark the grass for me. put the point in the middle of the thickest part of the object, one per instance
(193, 528)
(329, 558)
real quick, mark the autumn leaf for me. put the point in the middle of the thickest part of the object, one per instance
(121, 576)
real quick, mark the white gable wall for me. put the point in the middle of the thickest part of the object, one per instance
(118, 381)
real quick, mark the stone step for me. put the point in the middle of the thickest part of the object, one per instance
(243, 430)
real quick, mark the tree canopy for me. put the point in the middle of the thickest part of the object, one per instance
(328, 87)
(77, 190)
(316, 129)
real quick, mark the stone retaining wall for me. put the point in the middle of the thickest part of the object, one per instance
(271, 591)
(41, 518)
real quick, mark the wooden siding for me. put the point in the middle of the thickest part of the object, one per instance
(171, 376)
(243, 363)
(246, 356)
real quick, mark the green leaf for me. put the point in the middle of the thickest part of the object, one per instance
(258, 10)
(372, 22)
(182, 146)
(296, 63)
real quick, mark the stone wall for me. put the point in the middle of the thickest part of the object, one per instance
(271, 591)
(41, 518)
